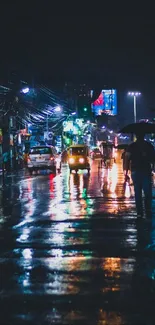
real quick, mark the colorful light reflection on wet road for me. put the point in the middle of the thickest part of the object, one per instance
(72, 251)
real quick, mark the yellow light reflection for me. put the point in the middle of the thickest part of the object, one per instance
(114, 178)
(110, 179)
(81, 183)
(127, 190)
(112, 266)
(77, 191)
(69, 264)
(72, 188)
(109, 318)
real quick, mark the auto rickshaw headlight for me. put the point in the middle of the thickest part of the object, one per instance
(81, 160)
(71, 160)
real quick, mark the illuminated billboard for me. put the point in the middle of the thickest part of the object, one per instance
(73, 126)
(106, 102)
(68, 126)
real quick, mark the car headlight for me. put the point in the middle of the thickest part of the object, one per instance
(71, 160)
(81, 160)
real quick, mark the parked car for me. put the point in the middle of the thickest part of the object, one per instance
(42, 157)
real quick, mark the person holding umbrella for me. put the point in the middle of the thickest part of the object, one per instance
(140, 155)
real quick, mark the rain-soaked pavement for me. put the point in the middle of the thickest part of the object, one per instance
(73, 252)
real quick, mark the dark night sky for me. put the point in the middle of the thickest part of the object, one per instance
(39, 42)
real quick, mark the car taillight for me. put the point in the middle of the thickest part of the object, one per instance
(51, 158)
(28, 159)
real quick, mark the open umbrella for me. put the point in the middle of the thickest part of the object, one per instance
(122, 146)
(136, 128)
(107, 144)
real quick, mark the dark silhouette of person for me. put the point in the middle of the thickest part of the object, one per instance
(141, 155)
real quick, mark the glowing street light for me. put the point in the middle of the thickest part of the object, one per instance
(57, 108)
(25, 90)
(134, 95)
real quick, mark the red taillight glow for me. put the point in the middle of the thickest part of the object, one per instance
(51, 158)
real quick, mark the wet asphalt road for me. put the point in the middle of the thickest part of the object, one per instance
(73, 252)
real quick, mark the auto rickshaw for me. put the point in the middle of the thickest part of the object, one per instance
(78, 157)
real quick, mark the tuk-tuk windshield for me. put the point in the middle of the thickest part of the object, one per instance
(78, 151)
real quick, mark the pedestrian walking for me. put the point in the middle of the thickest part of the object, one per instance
(126, 177)
(141, 155)
(19, 160)
(123, 159)
(107, 156)
(64, 156)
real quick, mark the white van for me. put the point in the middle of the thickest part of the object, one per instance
(41, 157)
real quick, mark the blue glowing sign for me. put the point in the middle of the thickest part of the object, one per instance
(106, 102)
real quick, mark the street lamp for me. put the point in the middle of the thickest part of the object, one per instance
(134, 95)
(57, 109)
(25, 90)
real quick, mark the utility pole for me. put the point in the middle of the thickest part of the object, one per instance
(135, 112)
(134, 95)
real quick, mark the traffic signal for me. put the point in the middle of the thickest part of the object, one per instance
(84, 108)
